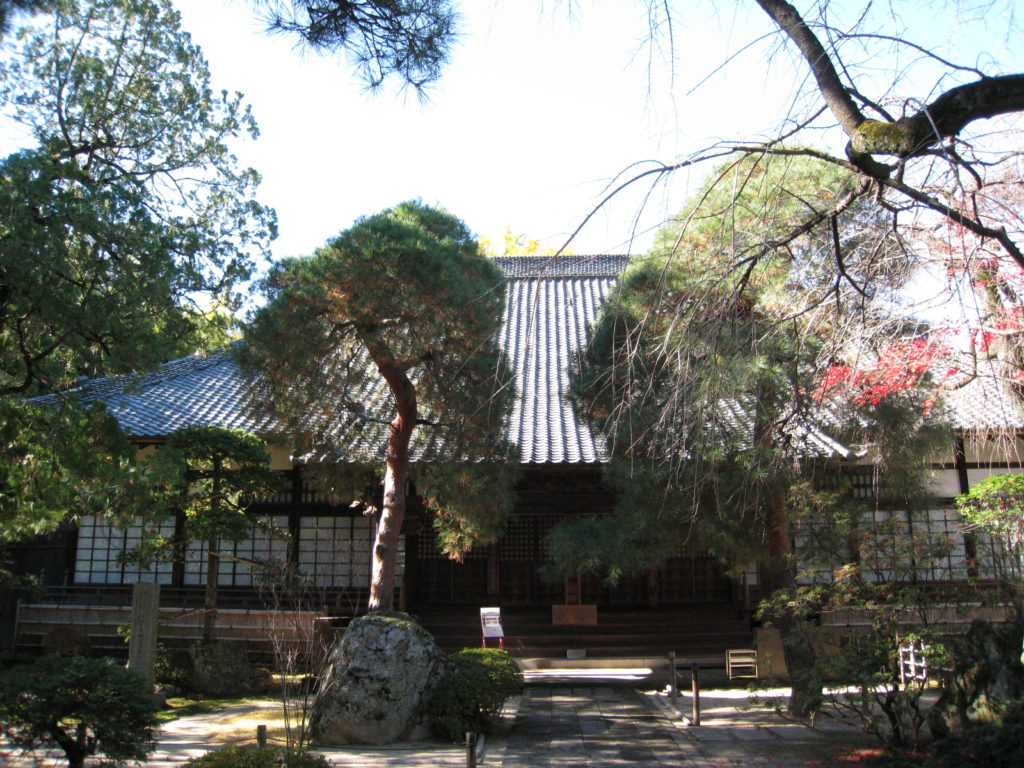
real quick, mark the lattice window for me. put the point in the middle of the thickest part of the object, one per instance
(284, 491)
(525, 537)
(242, 558)
(993, 560)
(864, 483)
(100, 544)
(925, 546)
(335, 551)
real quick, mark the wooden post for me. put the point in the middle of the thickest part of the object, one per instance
(695, 688)
(142, 644)
(673, 685)
(470, 749)
(261, 735)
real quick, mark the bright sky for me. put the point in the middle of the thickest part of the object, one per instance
(544, 103)
(534, 117)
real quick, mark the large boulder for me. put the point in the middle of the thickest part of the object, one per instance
(377, 680)
(984, 671)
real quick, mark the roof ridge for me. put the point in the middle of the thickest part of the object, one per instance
(560, 266)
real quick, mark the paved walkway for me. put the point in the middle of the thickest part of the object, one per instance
(736, 732)
(593, 727)
(573, 726)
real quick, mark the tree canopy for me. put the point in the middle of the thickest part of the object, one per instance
(386, 332)
(126, 215)
(125, 221)
(61, 462)
(706, 377)
(410, 39)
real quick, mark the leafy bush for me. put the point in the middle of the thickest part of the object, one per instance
(258, 757)
(998, 743)
(173, 666)
(85, 706)
(480, 682)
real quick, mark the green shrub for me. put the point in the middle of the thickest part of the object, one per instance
(998, 743)
(480, 682)
(258, 757)
(173, 666)
(85, 706)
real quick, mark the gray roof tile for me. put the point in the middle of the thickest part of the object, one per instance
(551, 302)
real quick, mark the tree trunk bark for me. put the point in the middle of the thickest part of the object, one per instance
(396, 475)
(210, 601)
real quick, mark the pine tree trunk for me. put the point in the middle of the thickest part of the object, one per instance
(385, 546)
(805, 697)
(396, 474)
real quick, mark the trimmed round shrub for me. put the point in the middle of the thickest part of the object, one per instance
(474, 693)
(258, 757)
(85, 706)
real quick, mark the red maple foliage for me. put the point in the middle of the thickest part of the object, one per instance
(900, 367)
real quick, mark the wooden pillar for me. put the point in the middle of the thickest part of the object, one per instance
(142, 645)
(970, 543)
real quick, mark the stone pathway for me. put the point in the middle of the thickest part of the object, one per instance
(574, 726)
(602, 727)
(614, 727)
(736, 734)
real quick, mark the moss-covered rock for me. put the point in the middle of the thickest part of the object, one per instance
(379, 676)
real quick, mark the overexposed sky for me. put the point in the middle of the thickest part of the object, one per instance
(534, 117)
(546, 102)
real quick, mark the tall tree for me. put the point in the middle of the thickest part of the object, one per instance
(223, 471)
(389, 331)
(703, 376)
(699, 373)
(123, 218)
(128, 212)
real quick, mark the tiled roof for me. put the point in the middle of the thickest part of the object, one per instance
(978, 401)
(551, 302)
(194, 390)
(550, 267)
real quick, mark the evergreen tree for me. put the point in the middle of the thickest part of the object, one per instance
(387, 332)
(127, 208)
(703, 369)
(123, 217)
(217, 472)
